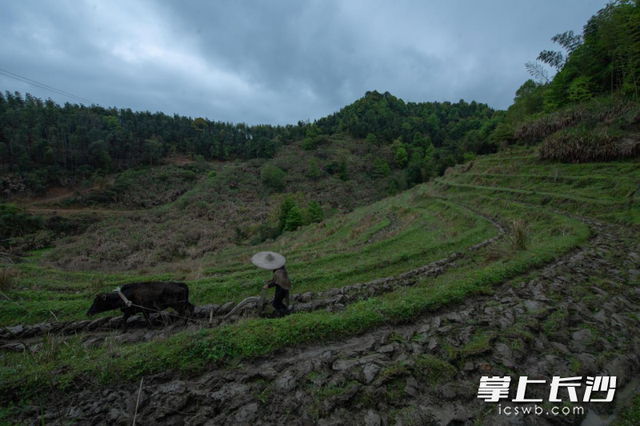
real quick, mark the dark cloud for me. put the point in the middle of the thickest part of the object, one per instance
(278, 62)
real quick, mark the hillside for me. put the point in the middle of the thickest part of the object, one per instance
(429, 245)
(558, 215)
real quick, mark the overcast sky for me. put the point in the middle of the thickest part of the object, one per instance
(279, 61)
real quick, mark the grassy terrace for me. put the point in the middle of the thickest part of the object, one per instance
(609, 191)
(324, 256)
(385, 238)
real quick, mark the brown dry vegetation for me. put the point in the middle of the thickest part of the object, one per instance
(585, 146)
(218, 210)
(7, 278)
(610, 111)
(589, 132)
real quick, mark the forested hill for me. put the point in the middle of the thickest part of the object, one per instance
(44, 144)
(591, 98)
(440, 123)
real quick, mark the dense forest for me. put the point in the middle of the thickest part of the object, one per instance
(43, 144)
(48, 144)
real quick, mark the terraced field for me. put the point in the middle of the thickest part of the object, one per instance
(507, 266)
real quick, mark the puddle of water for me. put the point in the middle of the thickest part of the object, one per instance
(622, 398)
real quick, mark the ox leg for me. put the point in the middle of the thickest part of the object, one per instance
(147, 317)
(182, 310)
(127, 314)
(186, 313)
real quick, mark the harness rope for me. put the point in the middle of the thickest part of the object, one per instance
(129, 304)
(123, 297)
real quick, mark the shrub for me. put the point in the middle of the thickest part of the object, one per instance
(16, 222)
(294, 219)
(308, 144)
(264, 232)
(338, 168)
(187, 174)
(313, 171)
(468, 156)
(519, 236)
(7, 278)
(380, 168)
(315, 212)
(579, 90)
(272, 176)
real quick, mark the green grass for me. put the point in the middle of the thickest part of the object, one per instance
(252, 338)
(434, 370)
(429, 234)
(609, 191)
(385, 238)
(630, 414)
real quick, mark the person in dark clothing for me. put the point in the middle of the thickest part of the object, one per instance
(282, 283)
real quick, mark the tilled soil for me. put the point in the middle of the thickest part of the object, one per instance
(575, 317)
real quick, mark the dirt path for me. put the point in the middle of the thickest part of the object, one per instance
(58, 194)
(78, 210)
(42, 205)
(575, 317)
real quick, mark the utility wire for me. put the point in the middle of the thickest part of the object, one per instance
(44, 86)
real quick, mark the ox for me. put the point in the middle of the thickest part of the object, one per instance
(145, 297)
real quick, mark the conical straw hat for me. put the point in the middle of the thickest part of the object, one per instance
(268, 260)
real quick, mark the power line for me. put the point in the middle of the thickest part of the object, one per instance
(44, 86)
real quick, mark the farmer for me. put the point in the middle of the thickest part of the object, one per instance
(275, 262)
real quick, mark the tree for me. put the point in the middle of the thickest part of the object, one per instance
(308, 144)
(414, 169)
(401, 157)
(294, 219)
(312, 138)
(380, 168)
(285, 208)
(315, 212)
(99, 152)
(371, 139)
(418, 140)
(504, 132)
(152, 150)
(429, 149)
(272, 177)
